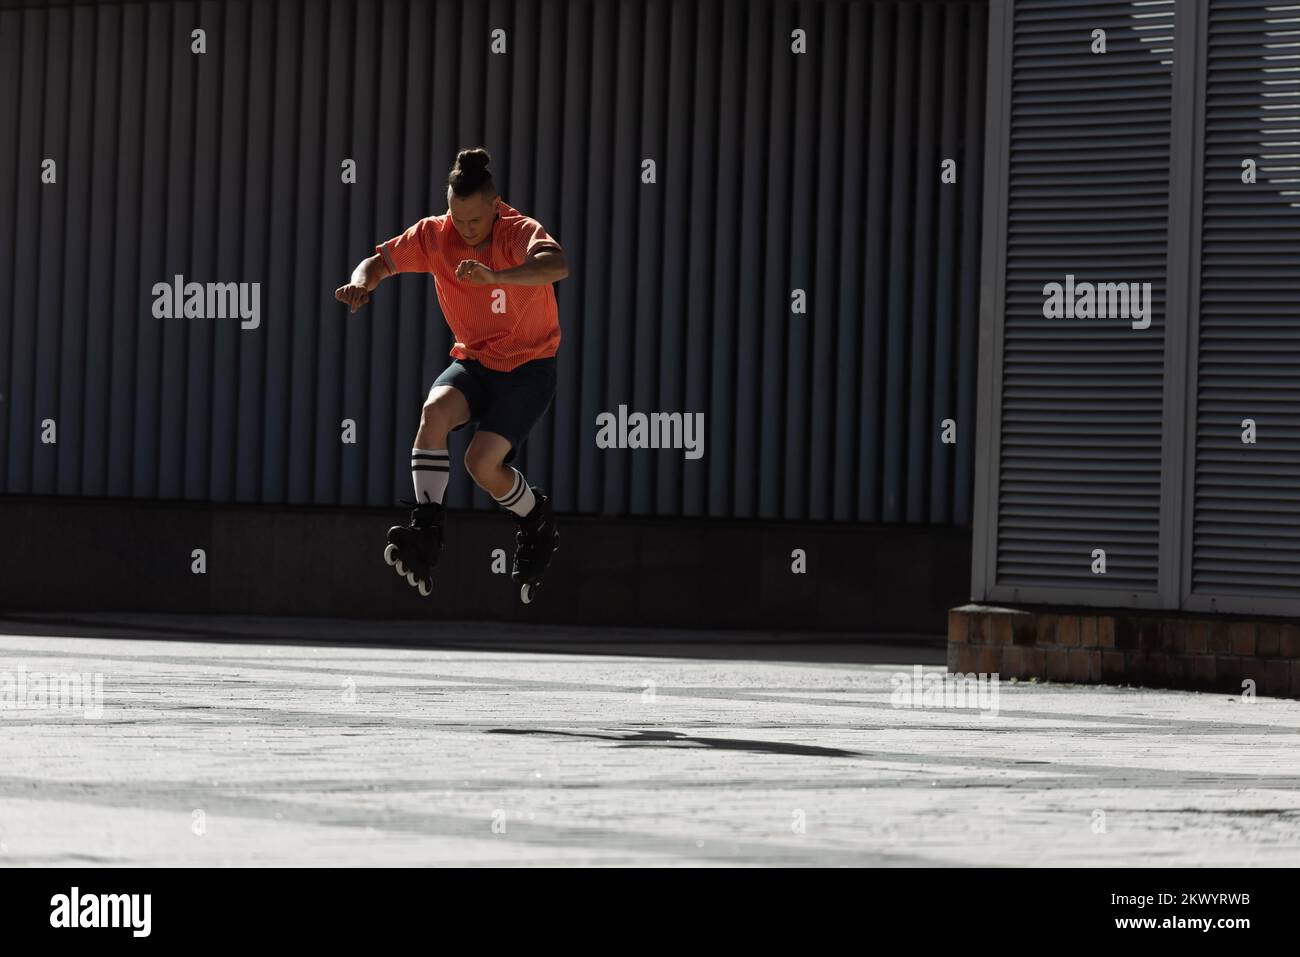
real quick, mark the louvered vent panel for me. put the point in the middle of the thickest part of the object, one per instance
(1088, 196)
(1246, 525)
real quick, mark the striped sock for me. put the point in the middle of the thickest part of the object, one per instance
(430, 471)
(520, 499)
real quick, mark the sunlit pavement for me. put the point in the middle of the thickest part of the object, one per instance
(238, 741)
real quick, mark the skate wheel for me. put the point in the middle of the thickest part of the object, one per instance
(390, 554)
(426, 589)
(410, 579)
(527, 592)
(401, 569)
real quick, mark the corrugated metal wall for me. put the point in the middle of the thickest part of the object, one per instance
(776, 172)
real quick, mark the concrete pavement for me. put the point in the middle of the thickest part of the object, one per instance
(251, 741)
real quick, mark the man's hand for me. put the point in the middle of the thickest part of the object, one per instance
(353, 294)
(475, 273)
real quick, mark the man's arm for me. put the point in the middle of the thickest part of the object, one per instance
(368, 274)
(539, 269)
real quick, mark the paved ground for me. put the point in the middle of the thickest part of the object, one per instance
(611, 748)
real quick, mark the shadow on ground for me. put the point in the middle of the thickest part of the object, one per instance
(640, 739)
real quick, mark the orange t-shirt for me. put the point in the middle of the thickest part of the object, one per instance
(500, 332)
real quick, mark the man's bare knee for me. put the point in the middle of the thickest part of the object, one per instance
(434, 417)
(439, 416)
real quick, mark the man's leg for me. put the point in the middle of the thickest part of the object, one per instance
(519, 398)
(485, 460)
(413, 550)
(445, 409)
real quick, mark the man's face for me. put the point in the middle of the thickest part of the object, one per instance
(472, 215)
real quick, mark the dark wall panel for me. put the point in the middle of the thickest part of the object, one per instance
(774, 172)
(135, 555)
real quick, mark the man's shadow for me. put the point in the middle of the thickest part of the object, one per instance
(640, 739)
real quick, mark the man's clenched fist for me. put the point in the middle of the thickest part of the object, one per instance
(475, 273)
(353, 294)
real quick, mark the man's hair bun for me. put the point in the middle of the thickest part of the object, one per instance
(470, 175)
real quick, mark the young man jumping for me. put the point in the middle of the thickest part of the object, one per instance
(492, 268)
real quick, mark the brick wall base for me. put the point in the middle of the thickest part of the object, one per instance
(1176, 650)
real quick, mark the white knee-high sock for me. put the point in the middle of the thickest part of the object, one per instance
(520, 499)
(430, 471)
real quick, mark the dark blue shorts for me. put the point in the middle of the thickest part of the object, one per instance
(507, 403)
